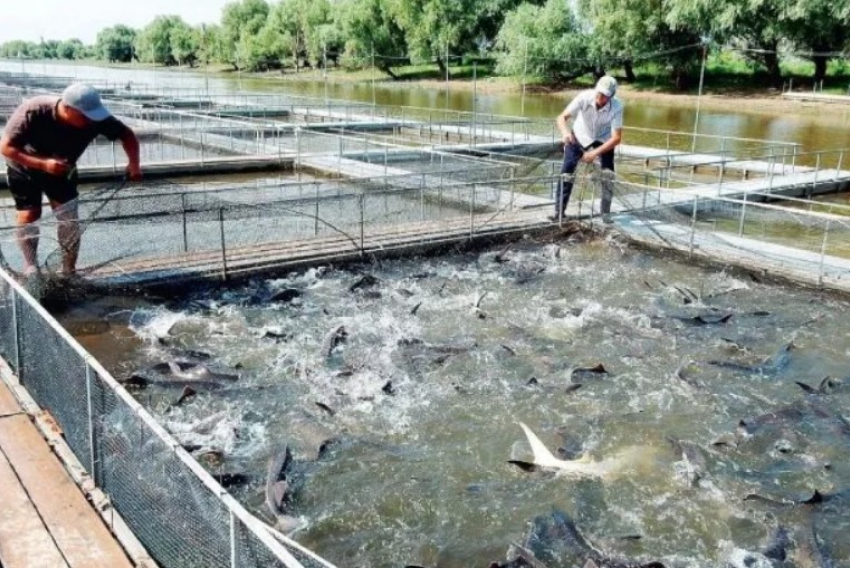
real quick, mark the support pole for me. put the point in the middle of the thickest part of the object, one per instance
(699, 95)
(223, 247)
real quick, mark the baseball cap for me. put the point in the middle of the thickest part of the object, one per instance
(607, 86)
(85, 99)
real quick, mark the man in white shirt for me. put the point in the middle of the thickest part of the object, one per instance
(596, 130)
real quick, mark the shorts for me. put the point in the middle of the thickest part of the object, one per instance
(27, 187)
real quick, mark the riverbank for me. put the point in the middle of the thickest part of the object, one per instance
(757, 99)
(717, 94)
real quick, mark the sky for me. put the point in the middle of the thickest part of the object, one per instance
(31, 20)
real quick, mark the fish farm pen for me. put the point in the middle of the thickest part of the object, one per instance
(242, 185)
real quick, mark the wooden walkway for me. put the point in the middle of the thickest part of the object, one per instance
(817, 97)
(380, 240)
(46, 521)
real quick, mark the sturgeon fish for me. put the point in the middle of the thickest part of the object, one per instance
(543, 458)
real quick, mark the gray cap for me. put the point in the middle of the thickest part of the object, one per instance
(86, 99)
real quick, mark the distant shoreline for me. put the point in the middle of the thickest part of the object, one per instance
(750, 100)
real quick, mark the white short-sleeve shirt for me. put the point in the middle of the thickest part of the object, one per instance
(591, 124)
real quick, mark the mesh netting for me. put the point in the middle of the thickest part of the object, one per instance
(182, 517)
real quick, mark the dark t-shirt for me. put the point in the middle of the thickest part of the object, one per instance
(35, 129)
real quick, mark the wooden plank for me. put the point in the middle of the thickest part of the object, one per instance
(24, 540)
(78, 532)
(8, 403)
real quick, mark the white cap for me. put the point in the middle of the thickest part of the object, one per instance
(607, 86)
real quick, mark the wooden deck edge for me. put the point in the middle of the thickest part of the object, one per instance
(116, 525)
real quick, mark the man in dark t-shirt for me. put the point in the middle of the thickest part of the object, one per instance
(42, 142)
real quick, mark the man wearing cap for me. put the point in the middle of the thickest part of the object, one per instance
(42, 142)
(596, 130)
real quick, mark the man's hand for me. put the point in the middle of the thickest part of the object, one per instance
(568, 138)
(134, 172)
(589, 157)
(59, 168)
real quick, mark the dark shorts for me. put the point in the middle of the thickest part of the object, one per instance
(28, 186)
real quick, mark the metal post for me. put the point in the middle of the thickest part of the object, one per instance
(472, 212)
(316, 215)
(92, 450)
(838, 167)
(743, 214)
(114, 162)
(185, 235)
(823, 252)
(223, 248)
(202, 150)
(362, 223)
(325, 72)
(447, 75)
(513, 186)
(182, 137)
(770, 177)
(817, 170)
(297, 148)
(474, 101)
(374, 98)
(422, 198)
(524, 73)
(232, 540)
(693, 227)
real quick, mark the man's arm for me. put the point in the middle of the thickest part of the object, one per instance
(130, 143)
(15, 154)
(562, 121)
(610, 144)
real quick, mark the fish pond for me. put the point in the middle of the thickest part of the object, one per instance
(695, 397)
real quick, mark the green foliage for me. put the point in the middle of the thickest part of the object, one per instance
(544, 41)
(71, 49)
(433, 26)
(368, 27)
(115, 44)
(168, 40)
(240, 22)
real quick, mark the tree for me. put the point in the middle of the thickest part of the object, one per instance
(545, 41)
(754, 25)
(17, 48)
(240, 21)
(369, 27)
(491, 16)
(820, 26)
(433, 26)
(185, 43)
(71, 49)
(626, 31)
(115, 44)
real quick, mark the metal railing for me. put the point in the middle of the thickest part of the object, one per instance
(175, 508)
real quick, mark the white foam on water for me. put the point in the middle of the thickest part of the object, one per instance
(156, 323)
(740, 558)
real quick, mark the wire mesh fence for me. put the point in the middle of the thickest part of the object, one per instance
(178, 512)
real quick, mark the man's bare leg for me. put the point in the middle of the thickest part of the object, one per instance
(68, 233)
(27, 235)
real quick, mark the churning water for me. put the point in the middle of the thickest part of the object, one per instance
(445, 355)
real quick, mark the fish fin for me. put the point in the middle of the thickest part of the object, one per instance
(279, 490)
(542, 455)
(524, 465)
